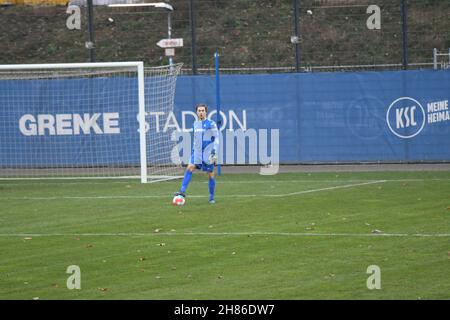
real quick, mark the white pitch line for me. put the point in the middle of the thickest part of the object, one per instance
(218, 182)
(222, 234)
(318, 181)
(198, 196)
(329, 188)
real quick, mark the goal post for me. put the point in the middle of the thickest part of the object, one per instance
(87, 120)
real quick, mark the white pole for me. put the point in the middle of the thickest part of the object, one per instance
(164, 5)
(142, 134)
(434, 58)
(169, 32)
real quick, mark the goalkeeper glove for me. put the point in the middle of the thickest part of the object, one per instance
(213, 157)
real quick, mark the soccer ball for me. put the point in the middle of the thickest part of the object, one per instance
(178, 201)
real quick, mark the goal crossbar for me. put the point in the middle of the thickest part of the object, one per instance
(136, 64)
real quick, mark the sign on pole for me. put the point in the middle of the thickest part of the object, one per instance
(170, 43)
(170, 52)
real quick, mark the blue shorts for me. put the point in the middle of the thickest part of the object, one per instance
(204, 166)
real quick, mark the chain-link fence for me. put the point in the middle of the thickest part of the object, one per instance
(251, 36)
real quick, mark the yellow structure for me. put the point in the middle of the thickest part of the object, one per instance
(35, 2)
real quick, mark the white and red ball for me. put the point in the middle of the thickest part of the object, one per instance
(178, 201)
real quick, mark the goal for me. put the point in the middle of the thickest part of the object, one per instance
(87, 120)
(441, 59)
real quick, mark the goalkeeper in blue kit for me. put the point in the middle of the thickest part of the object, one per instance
(204, 152)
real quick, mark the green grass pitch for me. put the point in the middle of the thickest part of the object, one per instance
(287, 236)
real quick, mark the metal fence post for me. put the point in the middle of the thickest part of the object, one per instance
(405, 35)
(296, 36)
(91, 44)
(193, 36)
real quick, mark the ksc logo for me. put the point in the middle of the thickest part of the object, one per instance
(405, 117)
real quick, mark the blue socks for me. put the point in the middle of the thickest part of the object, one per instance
(212, 186)
(186, 180)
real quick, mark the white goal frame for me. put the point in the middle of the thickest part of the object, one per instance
(138, 65)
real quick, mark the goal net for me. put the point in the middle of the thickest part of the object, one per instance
(87, 120)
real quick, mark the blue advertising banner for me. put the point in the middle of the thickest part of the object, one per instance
(337, 117)
(305, 117)
(68, 122)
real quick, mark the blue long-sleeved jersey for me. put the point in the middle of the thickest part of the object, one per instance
(206, 139)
